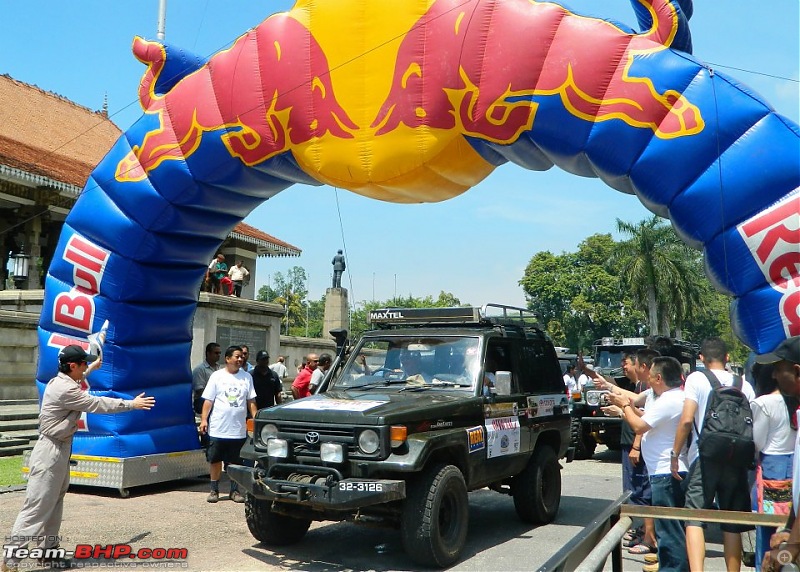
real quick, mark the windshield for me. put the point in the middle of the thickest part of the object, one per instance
(607, 360)
(413, 363)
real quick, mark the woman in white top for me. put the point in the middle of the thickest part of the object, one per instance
(774, 434)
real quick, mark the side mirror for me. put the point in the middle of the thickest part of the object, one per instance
(502, 382)
(340, 336)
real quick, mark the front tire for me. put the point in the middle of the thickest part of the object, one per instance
(271, 528)
(537, 489)
(436, 517)
(583, 441)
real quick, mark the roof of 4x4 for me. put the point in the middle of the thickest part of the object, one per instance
(488, 315)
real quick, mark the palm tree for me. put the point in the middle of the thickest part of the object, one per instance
(294, 310)
(657, 268)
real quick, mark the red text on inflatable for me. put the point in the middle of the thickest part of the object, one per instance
(773, 237)
(75, 309)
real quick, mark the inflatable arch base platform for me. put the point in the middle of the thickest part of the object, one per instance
(123, 474)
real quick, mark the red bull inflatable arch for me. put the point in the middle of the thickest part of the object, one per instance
(423, 100)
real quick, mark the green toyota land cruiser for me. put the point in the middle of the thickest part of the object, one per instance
(430, 405)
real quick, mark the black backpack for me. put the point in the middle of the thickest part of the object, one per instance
(727, 436)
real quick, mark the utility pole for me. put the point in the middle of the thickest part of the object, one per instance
(162, 20)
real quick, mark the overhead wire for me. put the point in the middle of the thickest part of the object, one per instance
(331, 70)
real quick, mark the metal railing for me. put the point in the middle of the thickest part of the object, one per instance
(588, 550)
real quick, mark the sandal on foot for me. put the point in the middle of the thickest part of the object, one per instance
(630, 533)
(633, 541)
(642, 548)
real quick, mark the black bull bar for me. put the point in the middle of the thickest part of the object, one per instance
(322, 487)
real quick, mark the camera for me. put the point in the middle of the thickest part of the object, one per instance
(597, 397)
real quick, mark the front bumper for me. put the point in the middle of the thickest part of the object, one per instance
(602, 420)
(317, 487)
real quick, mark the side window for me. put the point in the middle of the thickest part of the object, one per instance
(498, 358)
(541, 371)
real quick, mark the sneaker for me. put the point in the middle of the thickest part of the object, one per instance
(650, 567)
(213, 496)
(651, 558)
(236, 496)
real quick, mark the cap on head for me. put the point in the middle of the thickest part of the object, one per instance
(75, 354)
(788, 349)
(263, 354)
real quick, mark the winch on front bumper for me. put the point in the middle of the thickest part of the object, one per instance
(322, 487)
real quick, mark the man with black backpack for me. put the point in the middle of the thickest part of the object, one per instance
(717, 416)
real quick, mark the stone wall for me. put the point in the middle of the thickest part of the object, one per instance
(221, 319)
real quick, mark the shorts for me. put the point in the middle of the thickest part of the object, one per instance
(224, 450)
(707, 481)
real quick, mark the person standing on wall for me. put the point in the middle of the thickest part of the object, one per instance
(238, 274)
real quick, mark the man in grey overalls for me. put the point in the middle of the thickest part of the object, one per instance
(39, 520)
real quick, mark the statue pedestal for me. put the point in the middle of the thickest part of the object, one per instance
(336, 311)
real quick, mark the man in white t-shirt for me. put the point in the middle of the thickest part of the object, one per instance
(708, 480)
(657, 426)
(228, 395)
(786, 371)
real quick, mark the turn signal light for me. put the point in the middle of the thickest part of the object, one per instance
(398, 433)
(251, 426)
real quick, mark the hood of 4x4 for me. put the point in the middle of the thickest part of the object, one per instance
(378, 408)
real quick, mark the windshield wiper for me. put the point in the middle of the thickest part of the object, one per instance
(416, 387)
(374, 384)
(447, 383)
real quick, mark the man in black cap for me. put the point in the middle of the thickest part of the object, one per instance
(39, 520)
(785, 543)
(266, 382)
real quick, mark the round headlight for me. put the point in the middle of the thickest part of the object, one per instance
(368, 442)
(268, 431)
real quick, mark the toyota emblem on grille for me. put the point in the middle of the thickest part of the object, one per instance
(312, 437)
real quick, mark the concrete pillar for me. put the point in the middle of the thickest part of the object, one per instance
(336, 311)
(34, 249)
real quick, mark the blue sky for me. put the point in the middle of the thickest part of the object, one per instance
(476, 245)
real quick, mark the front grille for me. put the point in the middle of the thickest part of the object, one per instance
(296, 432)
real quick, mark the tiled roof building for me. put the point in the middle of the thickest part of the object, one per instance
(48, 147)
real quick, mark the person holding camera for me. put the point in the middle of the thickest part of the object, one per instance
(657, 426)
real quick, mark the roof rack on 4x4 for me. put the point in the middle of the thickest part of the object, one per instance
(490, 314)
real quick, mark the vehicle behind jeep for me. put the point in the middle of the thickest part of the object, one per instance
(433, 404)
(590, 426)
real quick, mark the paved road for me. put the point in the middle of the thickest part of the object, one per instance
(216, 536)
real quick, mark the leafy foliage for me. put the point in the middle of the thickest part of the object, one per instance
(650, 283)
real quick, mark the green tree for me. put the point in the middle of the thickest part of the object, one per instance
(656, 268)
(577, 296)
(290, 292)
